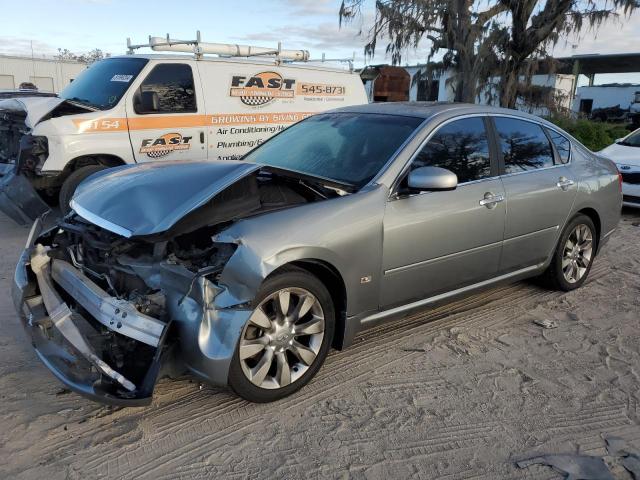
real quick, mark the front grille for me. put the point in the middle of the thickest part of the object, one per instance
(631, 177)
(631, 199)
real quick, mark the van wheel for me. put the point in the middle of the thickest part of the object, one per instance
(286, 339)
(71, 183)
(574, 255)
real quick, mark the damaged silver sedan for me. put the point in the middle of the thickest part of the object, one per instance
(245, 273)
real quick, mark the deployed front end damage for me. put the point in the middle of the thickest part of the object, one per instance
(23, 153)
(97, 342)
(109, 313)
(21, 157)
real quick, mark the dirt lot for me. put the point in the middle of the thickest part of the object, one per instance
(458, 392)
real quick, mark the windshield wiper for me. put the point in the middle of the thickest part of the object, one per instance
(322, 181)
(82, 102)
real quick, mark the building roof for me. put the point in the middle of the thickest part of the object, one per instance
(40, 59)
(601, 63)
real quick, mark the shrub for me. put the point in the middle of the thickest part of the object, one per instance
(593, 135)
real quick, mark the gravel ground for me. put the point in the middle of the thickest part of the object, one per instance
(462, 391)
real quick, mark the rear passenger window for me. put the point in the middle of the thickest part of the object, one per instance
(461, 146)
(173, 82)
(562, 144)
(524, 145)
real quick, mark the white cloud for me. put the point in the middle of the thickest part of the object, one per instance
(307, 8)
(11, 45)
(621, 35)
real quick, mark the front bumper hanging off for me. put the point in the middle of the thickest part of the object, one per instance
(66, 342)
(18, 199)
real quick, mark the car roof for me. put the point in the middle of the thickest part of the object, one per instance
(429, 109)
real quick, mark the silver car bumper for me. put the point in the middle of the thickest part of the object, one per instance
(68, 344)
(200, 338)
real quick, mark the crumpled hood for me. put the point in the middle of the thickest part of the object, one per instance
(150, 198)
(36, 107)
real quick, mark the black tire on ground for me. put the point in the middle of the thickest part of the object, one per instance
(554, 277)
(71, 183)
(290, 277)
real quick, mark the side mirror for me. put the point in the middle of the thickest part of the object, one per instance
(618, 140)
(432, 178)
(148, 102)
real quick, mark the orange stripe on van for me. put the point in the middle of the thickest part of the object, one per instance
(183, 121)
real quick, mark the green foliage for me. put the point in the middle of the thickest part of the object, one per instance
(593, 135)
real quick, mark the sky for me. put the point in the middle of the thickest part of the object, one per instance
(82, 25)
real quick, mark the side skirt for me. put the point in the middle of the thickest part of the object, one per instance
(358, 323)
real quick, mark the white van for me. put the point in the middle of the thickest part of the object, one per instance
(139, 108)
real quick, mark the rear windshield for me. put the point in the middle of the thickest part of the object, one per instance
(348, 148)
(103, 84)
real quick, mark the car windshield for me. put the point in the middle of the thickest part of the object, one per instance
(348, 148)
(632, 140)
(102, 85)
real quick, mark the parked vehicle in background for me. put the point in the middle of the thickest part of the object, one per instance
(24, 93)
(626, 155)
(610, 114)
(338, 223)
(139, 108)
(634, 110)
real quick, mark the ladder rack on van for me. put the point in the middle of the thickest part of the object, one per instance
(227, 50)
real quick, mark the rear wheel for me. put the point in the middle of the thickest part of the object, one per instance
(71, 183)
(574, 255)
(286, 339)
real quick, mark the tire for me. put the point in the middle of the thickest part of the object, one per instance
(559, 278)
(276, 338)
(71, 183)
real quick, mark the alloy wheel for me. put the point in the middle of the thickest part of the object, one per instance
(282, 338)
(577, 254)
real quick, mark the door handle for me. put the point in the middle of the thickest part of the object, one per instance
(201, 137)
(564, 183)
(490, 200)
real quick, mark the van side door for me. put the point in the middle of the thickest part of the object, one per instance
(166, 116)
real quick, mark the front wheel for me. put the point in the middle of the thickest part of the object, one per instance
(286, 339)
(574, 255)
(71, 183)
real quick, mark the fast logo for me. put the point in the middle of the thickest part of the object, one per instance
(164, 145)
(261, 88)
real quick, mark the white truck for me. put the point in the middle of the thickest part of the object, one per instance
(139, 108)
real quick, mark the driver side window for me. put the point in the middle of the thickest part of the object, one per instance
(173, 85)
(461, 146)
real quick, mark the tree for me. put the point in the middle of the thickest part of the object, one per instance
(484, 40)
(535, 26)
(89, 57)
(451, 25)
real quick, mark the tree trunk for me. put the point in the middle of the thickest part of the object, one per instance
(509, 87)
(465, 43)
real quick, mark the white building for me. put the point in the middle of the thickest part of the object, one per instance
(48, 75)
(440, 89)
(605, 96)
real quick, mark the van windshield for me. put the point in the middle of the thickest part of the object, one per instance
(103, 84)
(348, 148)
